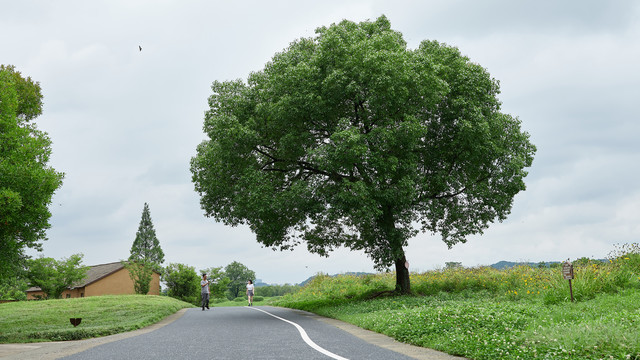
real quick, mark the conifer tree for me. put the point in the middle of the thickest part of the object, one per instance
(146, 254)
(146, 246)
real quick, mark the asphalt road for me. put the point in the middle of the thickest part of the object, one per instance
(246, 333)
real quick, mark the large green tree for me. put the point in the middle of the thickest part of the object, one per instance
(27, 182)
(238, 275)
(351, 139)
(55, 276)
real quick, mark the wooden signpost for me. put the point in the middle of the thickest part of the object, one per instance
(567, 273)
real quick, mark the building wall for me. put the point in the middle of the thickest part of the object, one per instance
(34, 294)
(79, 292)
(75, 293)
(117, 283)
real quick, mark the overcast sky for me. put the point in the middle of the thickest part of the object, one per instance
(125, 123)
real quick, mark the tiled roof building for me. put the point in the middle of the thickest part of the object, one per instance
(104, 279)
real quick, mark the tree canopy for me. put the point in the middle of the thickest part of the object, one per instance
(238, 275)
(27, 182)
(53, 276)
(182, 282)
(349, 138)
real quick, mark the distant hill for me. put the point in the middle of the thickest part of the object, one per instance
(509, 264)
(500, 265)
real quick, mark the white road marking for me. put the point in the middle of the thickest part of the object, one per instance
(304, 336)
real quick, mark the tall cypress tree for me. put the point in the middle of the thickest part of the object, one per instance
(146, 254)
(146, 247)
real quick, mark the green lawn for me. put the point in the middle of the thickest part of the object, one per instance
(48, 320)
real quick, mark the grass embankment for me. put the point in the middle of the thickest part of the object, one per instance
(241, 301)
(483, 313)
(48, 320)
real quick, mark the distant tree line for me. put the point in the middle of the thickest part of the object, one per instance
(183, 282)
(276, 290)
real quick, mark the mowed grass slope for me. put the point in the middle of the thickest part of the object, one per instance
(484, 313)
(36, 321)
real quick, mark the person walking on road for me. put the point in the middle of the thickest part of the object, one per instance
(204, 292)
(250, 292)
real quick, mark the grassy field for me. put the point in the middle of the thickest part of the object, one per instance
(35, 321)
(484, 313)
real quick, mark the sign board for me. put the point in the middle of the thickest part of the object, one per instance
(567, 270)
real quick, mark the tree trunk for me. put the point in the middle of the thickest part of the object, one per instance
(394, 237)
(403, 284)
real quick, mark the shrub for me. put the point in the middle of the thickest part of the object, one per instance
(183, 282)
(258, 298)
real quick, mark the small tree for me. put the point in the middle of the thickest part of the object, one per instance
(146, 245)
(141, 272)
(238, 275)
(182, 282)
(53, 276)
(146, 254)
(13, 288)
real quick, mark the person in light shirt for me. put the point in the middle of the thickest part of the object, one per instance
(204, 284)
(250, 290)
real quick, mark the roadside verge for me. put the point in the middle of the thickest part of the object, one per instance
(59, 349)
